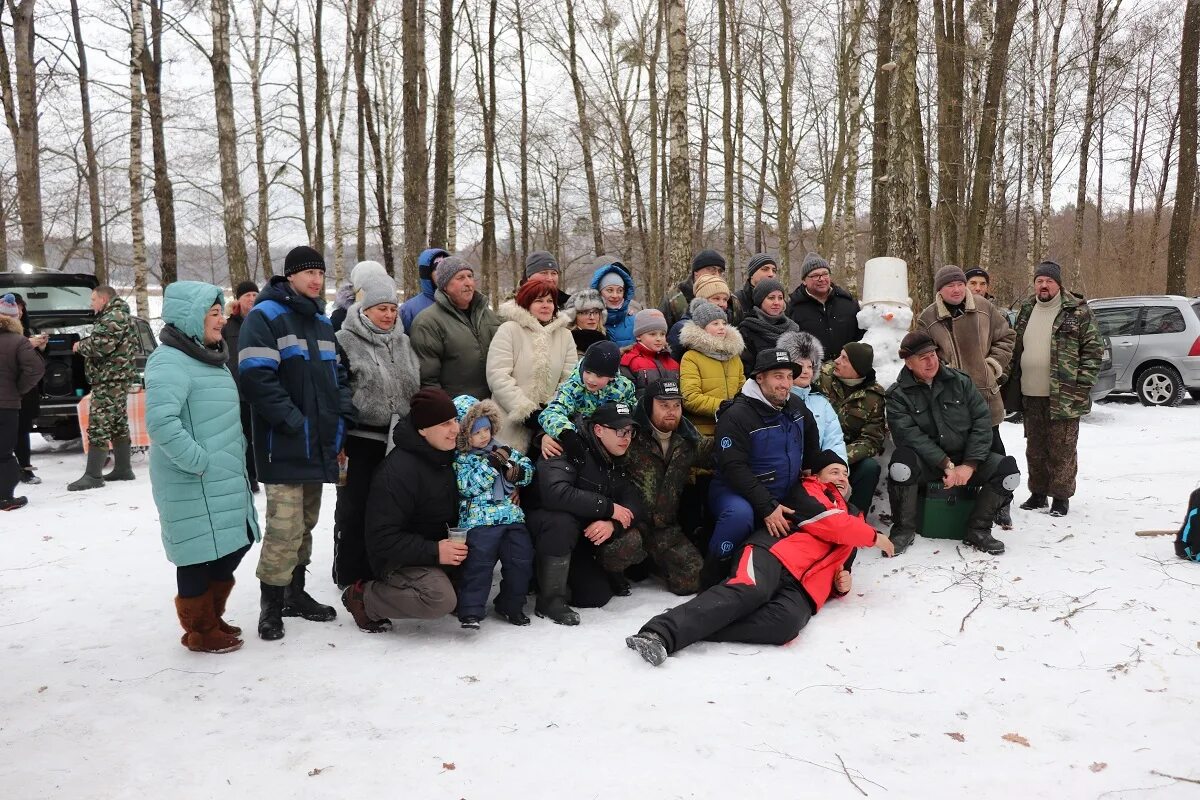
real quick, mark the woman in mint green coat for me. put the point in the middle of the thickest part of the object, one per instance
(198, 462)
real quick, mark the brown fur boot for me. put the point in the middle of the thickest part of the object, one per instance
(199, 622)
(220, 594)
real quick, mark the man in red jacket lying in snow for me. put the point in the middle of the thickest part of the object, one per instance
(779, 583)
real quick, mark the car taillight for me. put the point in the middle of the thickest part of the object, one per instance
(1195, 351)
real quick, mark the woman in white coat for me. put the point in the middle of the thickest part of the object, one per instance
(530, 355)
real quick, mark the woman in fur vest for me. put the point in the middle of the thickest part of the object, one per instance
(384, 376)
(530, 355)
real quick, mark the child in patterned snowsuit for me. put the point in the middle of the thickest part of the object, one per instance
(488, 478)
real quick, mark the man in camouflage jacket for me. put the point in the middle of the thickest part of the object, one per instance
(1055, 364)
(665, 448)
(108, 356)
(860, 406)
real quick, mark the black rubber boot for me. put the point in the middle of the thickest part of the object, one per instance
(1060, 507)
(621, 587)
(299, 603)
(650, 646)
(270, 615)
(121, 471)
(1004, 516)
(903, 499)
(552, 590)
(979, 525)
(92, 474)
(1034, 502)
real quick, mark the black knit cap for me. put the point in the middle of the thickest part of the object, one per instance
(431, 406)
(1049, 269)
(978, 272)
(757, 262)
(540, 261)
(823, 459)
(302, 258)
(708, 258)
(243, 287)
(602, 358)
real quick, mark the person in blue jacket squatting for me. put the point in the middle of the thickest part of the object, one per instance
(301, 406)
(426, 263)
(615, 285)
(489, 475)
(765, 437)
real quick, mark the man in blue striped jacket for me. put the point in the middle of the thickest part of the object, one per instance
(301, 406)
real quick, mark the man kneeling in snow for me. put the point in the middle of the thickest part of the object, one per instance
(779, 583)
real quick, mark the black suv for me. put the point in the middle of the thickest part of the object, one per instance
(59, 306)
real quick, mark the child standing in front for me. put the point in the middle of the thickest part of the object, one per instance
(488, 478)
(649, 359)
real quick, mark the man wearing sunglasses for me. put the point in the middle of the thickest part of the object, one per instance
(824, 309)
(584, 530)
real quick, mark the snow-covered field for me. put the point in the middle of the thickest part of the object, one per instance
(1067, 668)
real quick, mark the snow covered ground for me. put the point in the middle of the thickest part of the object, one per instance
(1066, 668)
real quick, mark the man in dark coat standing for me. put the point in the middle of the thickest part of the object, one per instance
(244, 296)
(412, 503)
(824, 309)
(20, 370)
(301, 406)
(943, 432)
(585, 530)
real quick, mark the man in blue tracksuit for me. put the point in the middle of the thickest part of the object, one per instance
(765, 437)
(300, 408)
(415, 305)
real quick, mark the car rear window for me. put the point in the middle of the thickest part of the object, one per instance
(1118, 321)
(1163, 319)
(56, 298)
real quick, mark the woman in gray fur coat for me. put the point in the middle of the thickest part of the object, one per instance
(384, 375)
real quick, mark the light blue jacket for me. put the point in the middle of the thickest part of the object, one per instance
(827, 420)
(197, 450)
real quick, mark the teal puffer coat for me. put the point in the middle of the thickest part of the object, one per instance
(197, 450)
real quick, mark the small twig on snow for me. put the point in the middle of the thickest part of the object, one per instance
(1065, 618)
(846, 772)
(1173, 777)
(164, 669)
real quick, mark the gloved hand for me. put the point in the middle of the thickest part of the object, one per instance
(531, 422)
(498, 460)
(573, 447)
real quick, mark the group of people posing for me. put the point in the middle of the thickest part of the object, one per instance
(726, 442)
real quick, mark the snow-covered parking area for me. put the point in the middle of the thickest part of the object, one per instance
(1067, 668)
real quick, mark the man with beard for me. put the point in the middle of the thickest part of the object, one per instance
(665, 449)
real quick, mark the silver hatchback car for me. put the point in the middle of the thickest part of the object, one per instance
(1155, 343)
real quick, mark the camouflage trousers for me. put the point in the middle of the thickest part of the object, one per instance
(292, 511)
(1051, 450)
(108, 418)
(620, 553)
(677, 559)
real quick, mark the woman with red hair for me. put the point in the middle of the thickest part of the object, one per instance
(530, 355)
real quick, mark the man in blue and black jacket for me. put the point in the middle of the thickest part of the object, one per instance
(765, 438)
(301, 406)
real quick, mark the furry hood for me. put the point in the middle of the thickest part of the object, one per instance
(801, 344)
(693, 337)
(10, 324)
(470, 410)
(510, 311)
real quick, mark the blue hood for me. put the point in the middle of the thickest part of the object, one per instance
(619, 268)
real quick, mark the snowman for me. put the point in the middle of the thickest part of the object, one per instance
(886, 314)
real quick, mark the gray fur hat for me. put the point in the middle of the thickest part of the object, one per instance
(704, 312)
(585, 300)
(802, 345)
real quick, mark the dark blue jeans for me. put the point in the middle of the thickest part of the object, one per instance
(487, 544)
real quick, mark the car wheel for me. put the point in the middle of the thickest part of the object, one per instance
(1159, 386)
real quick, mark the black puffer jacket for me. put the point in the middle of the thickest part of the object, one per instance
(588, 490)
(834, 322)
(414, 497)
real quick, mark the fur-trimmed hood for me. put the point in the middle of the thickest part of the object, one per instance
(10, 324)
(470, 410)
(511, 311)
(801, 344)
(693, 337)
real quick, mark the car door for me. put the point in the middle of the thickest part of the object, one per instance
(1121, 325)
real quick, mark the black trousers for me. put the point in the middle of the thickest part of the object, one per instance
(24, 428)
(251, 471)
(194, 579)
(556, 534)
(10, 470)
(350, 562)
(761, 603)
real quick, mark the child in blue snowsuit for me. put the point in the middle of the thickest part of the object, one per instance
(488, 477)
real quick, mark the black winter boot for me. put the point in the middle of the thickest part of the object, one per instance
(1004, 516)
(92, 474)
(650, 646)
(1060, 507)
(979, 525)
(299, 603)
(1034, 502)
(620, 585)
(552, 590)
(121, 471)
(270, 616)
(903, 498)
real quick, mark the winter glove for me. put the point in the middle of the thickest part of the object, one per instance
(498, 460)
(572, 445)
(531, 422)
